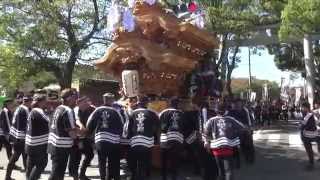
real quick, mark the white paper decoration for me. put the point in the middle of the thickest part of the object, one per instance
(113, 18)
(150, 2)
(269, 32)
(130, 83)
(199, 21)
(131, 3)
(128, 20)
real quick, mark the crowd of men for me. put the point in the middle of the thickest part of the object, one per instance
(309, 121)
(267, 113)
(213, 135)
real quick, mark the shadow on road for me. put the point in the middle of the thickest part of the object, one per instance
(277, 163)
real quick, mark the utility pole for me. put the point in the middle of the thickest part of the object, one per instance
(310, 70)
(282, 82)
(250, 80)
(265, 92)
(304, 89)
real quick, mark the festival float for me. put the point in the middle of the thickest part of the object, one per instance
(153, 52)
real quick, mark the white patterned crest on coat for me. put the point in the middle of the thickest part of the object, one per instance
(105, 118)
(141, 117)
(221, 127)
(175, 117)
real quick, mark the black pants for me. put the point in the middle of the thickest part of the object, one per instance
(124, 153)
(193, 153)
(112, 154)
(275, 116)
(225, 168)
(18, 150)
(74, 161)
(210, 169)
(5, 142)
(86, 149)
(83, 147)
(284, 115)
(247, 147)
(307, 143)
(236, 158)
(36, 163)
(266, 119)
(139, 162)
(170, 155)
(59, 165)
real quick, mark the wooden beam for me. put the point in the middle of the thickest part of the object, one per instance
(261, 38)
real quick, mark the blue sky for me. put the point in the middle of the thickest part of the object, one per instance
(262, 67)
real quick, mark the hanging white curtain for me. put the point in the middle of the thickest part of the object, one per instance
(113, 18)
(150, 2)
(200, 21)
(131, 3)
(298, 96)
(128, 20)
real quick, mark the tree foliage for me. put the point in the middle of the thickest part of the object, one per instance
(233, 21)
(54, 35)
(300, 18)
(239, 17)
(288, 57)
(14, 71)
(241, 85)
(273, 7)
(234, 17)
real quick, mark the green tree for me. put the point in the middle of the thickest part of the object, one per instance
(42, 79)
(300, 18)
(297, 19)
(54, 35)
(232, 20)
(241, 85)
(288, 57)
(13, 71)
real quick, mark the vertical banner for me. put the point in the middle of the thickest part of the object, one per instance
(284, 93)
(253, 96)
(298, 96)
(265, 92)
(241, 95)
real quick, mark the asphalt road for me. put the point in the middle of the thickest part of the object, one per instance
(279, 152)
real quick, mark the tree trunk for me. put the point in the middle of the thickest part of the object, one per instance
(223, 54)
(223, 50)
(228, 84)
(223, 75)
(230, 67)
(223, 68)
(65, 80)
